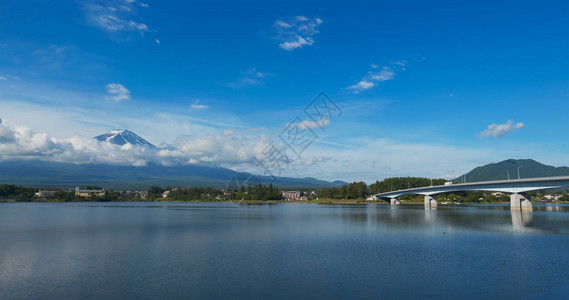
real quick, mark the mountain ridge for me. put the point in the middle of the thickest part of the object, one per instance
(43, 173)
(122, 137)
(528, 168)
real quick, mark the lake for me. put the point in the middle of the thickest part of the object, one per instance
(284, 251)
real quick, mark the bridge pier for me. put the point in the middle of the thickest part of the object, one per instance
(521, 219)
(395, 201)
(520, 202)
(430, 201)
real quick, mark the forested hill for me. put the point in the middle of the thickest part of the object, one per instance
(529, 168)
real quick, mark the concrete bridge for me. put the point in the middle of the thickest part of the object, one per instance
(517, 188)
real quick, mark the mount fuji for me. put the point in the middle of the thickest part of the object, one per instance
(67, 174)
(122, 137)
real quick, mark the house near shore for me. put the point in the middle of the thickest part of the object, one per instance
(46, 192)
(89, 193)
(294, 196)
(498, 195)
(554, 197)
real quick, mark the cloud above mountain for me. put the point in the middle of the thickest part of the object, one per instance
(231, 148)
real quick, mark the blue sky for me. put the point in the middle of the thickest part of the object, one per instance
(426, 88)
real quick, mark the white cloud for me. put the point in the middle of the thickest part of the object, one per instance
(370, 80)
(6, 135)
(17, 142)
(228, 150)
(157, 41)
(311, 124)
(253, 72)
(362, 85)
(118, 92)
(22, 143)
(250, 77)
(115, 16)
(3, 78)
(374, 76)
(197, 105)
(283, 24)
(299, 42)
(385, 74)
(297, 32)
(500, 130)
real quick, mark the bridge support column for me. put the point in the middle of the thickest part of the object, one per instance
(395, 201)
(430, 201)
(521, 219)
(520, 202)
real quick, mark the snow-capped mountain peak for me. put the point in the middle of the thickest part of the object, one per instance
(122, 137)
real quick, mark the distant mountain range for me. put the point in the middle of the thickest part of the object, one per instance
(41, 173)
(529, 168)
(122, 137)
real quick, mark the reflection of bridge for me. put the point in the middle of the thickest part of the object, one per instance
(518, 200)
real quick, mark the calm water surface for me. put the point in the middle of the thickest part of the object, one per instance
(180, 250)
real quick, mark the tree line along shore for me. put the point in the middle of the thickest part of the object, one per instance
(356, 192)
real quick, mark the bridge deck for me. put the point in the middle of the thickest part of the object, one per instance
(510, 186)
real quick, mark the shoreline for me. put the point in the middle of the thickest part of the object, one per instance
(258, 202)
